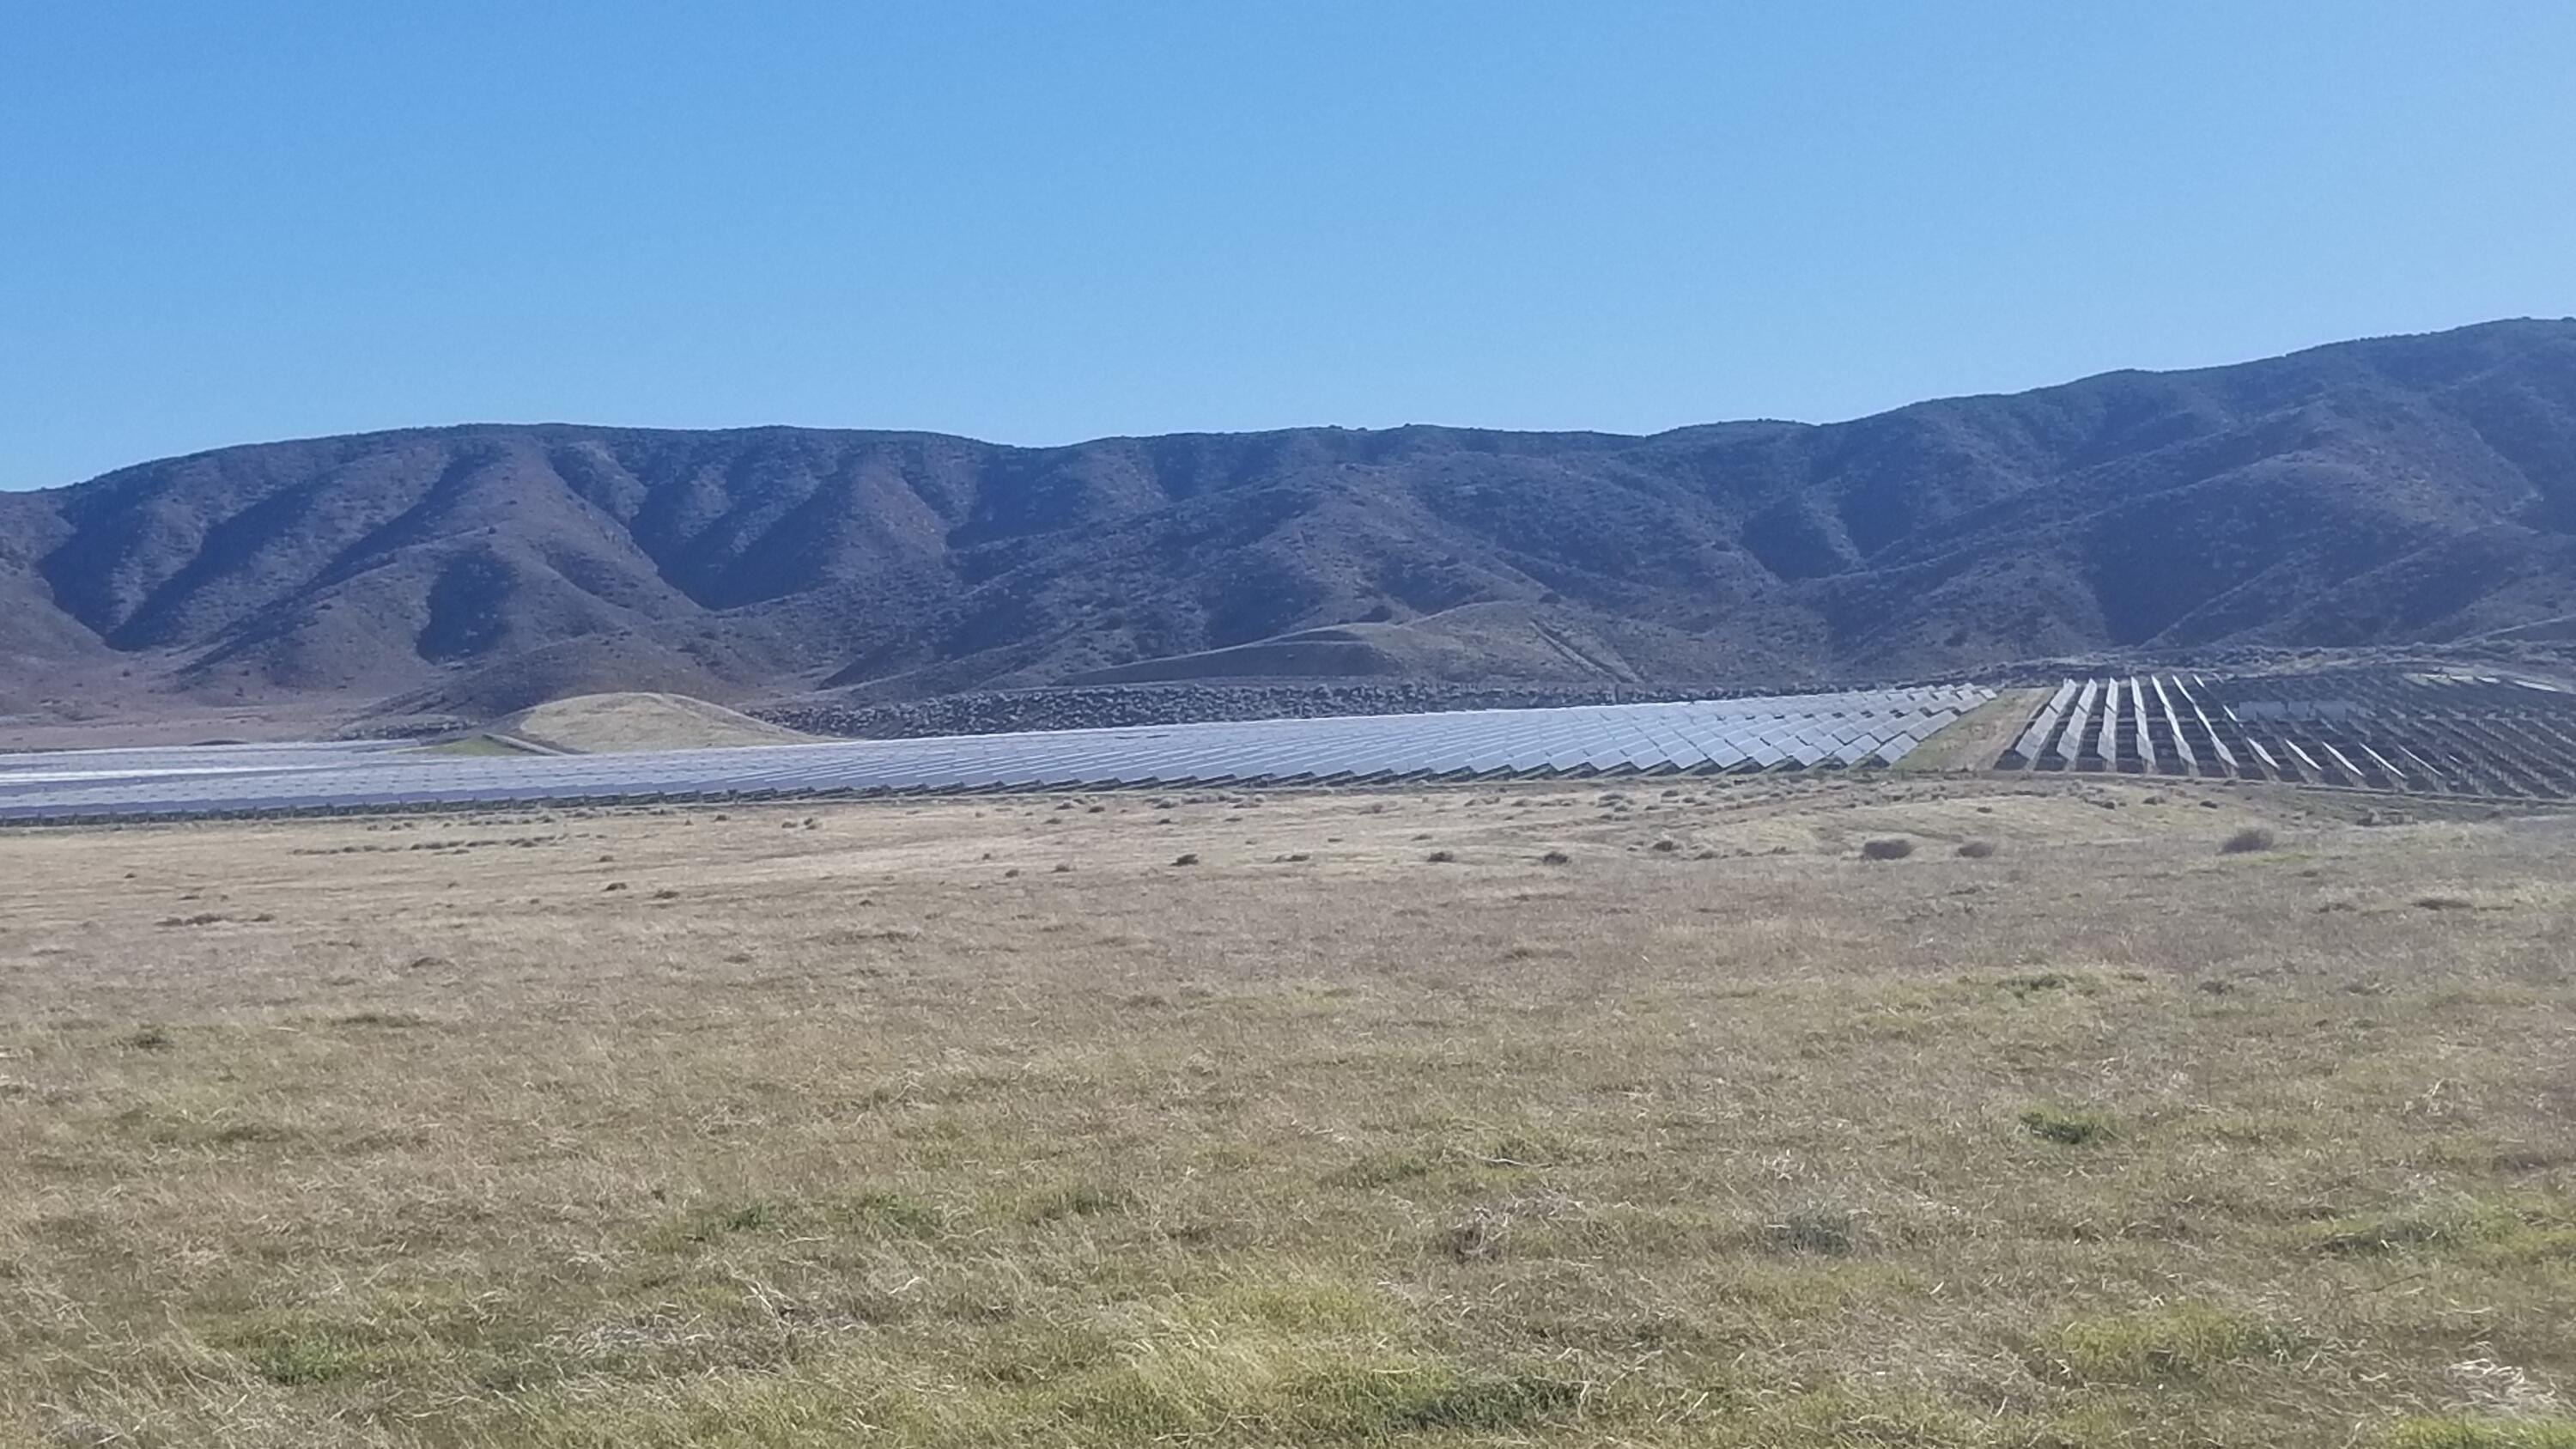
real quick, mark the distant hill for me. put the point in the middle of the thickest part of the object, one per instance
(2395, 490)
(594, 724)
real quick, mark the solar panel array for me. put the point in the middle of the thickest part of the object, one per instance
(1785, 732)
(2385, 729)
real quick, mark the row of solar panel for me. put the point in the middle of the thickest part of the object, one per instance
(52, 765)
(1797, 732)
(2394, 734)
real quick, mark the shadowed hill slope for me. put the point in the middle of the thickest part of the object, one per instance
(2415, 489)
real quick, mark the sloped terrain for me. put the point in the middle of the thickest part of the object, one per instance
(617, 723)
(2396, 490)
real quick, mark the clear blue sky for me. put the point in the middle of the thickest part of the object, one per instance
(239, 221)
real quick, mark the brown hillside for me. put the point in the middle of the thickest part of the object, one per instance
(2394, 490)
(617, 723)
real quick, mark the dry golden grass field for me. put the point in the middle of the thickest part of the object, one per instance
(1648, 1115)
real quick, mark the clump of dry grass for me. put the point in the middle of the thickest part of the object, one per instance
(1894, 847)
(1976, 849)
(2248, 841)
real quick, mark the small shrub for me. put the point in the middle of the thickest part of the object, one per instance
(1442, 857)
(151, 1039)
(1976, 849)
(1186, 858)
(1556, 857)
(2073, 1128)
(1665, 847)
(2247, 841)
(1894, 847)
(2445, 903)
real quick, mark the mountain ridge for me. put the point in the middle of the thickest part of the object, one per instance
(2390, 490)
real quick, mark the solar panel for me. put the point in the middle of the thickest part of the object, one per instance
(1765, 732)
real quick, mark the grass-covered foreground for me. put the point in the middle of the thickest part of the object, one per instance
(1658, 1116)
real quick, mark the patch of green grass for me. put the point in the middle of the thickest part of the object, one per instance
(2461, 1431)
(1304, 1303)
(1476, 1402)
(1076, 1200)
(892, 1213)
(713, 1223)
(2075, 1127)
(2174, 1343)
(2493, 1229)
(300, 1352)
(2037, 983)
(1292, 1391)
